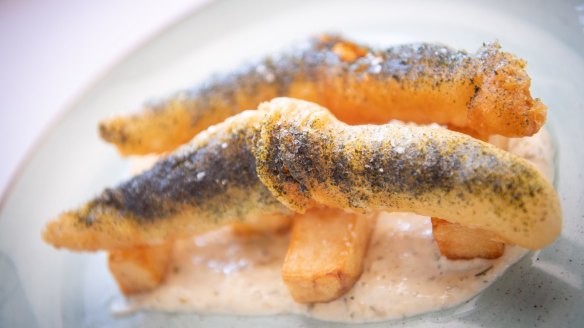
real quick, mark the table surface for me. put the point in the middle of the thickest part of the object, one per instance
(53, 51)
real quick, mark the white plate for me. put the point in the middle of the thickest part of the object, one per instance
(40, 286)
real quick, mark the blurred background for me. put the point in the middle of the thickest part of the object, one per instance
(52, 51)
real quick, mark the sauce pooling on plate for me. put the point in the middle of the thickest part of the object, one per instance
(404, 274)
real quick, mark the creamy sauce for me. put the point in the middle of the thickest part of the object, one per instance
(404, 274)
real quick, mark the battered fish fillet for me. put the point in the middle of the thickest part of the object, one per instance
(208, 183)
(483, 93)
(296, 153)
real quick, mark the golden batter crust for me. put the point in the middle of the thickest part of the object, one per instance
(484, 93)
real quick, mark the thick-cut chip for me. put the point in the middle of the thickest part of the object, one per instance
(139, 269)
(263, 224)
(458, 242)
(326, 252)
